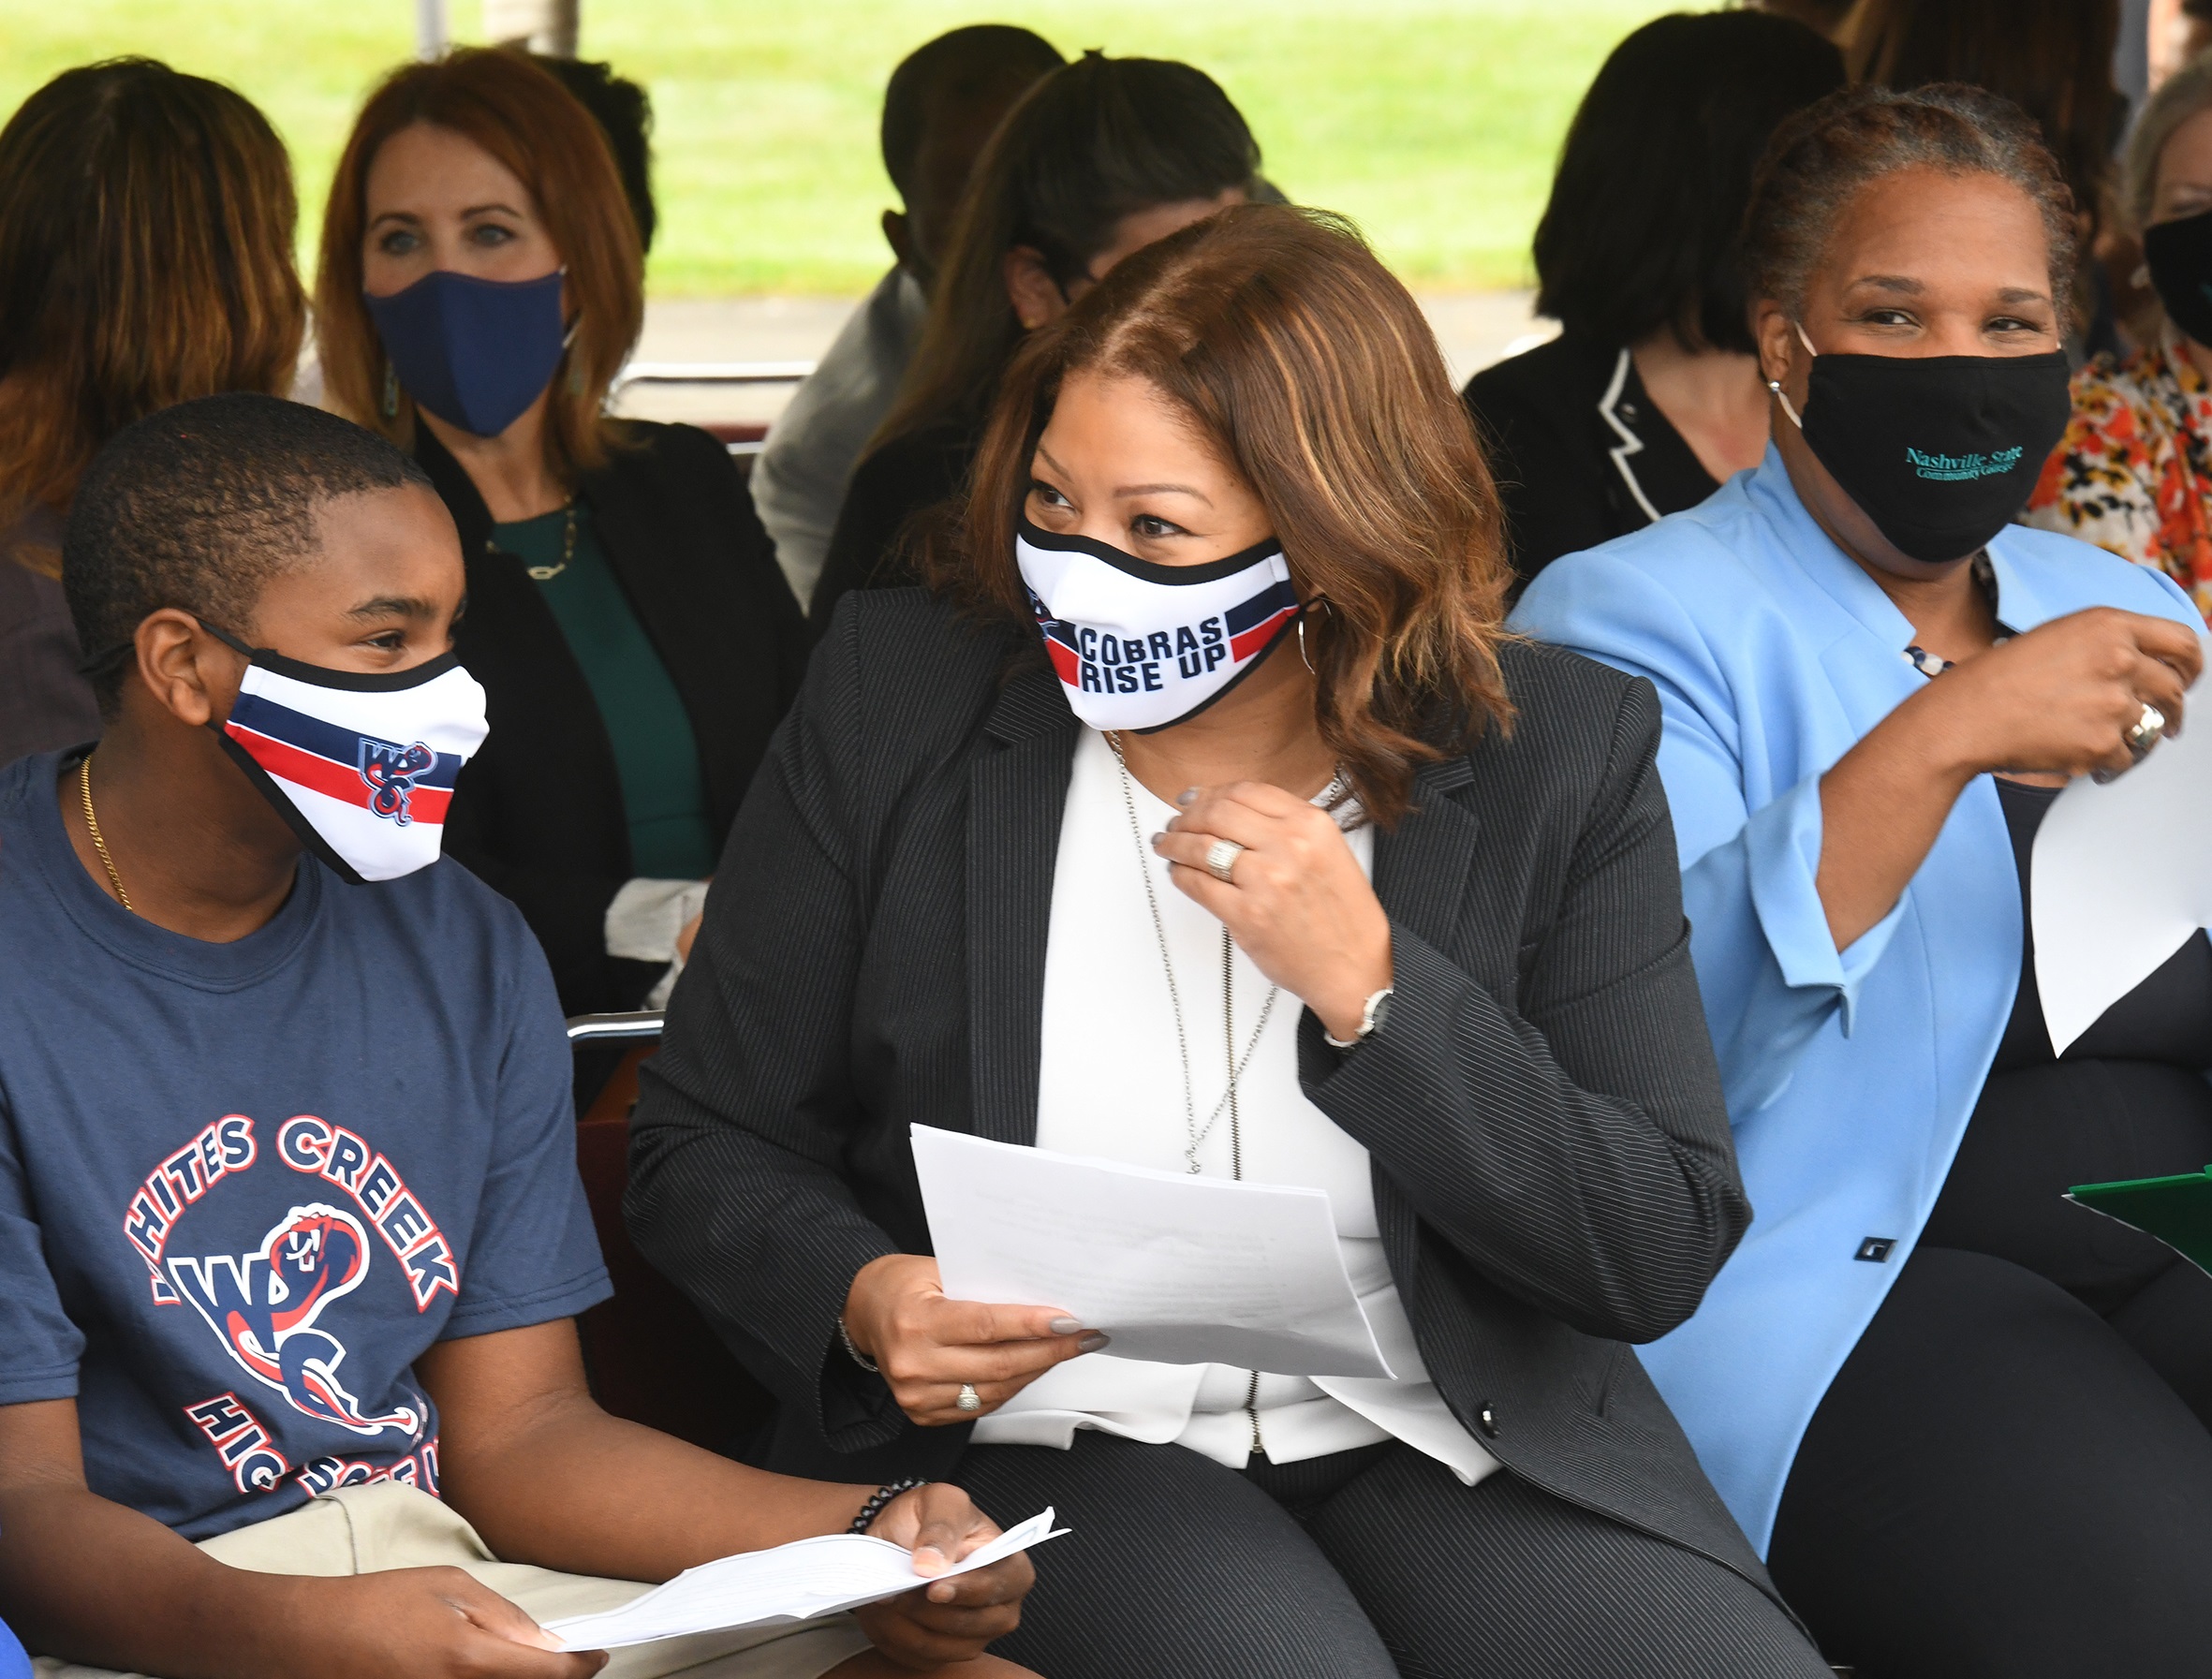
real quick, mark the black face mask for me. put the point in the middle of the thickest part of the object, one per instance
(1939, 451)
(2180, 257)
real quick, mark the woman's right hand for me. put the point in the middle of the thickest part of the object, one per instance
(2058, 699)
(927, 1345)
(2061, 697)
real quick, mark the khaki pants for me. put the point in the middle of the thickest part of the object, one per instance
(366, 1530)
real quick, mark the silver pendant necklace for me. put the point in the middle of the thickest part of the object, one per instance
(1195, 1137)
(1194, 1134)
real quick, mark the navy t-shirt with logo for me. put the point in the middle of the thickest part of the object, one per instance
(244, 1187)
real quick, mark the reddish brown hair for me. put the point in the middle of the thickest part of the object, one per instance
(146, 224)
(1309, 369)
(538, 131)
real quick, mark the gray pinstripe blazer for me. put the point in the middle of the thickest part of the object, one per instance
(1553, 1166)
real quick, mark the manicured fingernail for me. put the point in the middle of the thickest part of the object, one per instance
(1155, 840)
(1187, 795)
(1067, 1326)
(1091, 1343)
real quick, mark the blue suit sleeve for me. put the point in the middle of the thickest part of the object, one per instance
(1768, 969)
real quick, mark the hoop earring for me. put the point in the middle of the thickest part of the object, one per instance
(391, 403)
(1321, 601)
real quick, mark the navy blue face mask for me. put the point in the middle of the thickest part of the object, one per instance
(476, 353)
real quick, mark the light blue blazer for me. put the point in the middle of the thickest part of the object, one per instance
(1850, 1076)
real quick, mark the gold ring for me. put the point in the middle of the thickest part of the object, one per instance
(2147, 731)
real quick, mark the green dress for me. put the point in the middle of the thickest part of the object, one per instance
(655, 754)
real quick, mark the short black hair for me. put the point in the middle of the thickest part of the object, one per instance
(1642, 226)
(624, 112)
(957, 68)
(199, 507)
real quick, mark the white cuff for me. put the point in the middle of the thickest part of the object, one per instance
(647, 915)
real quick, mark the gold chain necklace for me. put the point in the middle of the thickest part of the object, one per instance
(99, 844)
(545, 574)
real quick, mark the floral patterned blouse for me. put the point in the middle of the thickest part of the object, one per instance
(2133, 473)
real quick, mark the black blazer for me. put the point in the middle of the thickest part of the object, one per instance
(1581, 453)
(1554, 1173)
(906, 477)
(538, 813)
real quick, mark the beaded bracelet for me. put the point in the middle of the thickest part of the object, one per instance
(879, 1499)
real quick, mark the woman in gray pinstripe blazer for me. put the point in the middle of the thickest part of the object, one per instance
(1540, 1158)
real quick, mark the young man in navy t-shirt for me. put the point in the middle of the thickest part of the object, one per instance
(290, 1230)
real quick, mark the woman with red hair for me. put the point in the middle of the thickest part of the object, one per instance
(480, 283)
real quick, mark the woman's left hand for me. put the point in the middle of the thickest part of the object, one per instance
(1295, 901)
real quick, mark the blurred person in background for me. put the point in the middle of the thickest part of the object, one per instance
(1827, 16)
(1650, 395)
(623, 112)
(2195, 27)
(480, 283)
(2054, 59)
(1102, 158)
(146, 224)
(2133, 473)
(943, 102)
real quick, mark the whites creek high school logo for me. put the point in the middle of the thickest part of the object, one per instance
(265, 1306)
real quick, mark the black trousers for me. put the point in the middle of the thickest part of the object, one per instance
(2005, 1483)
(1374, 1564)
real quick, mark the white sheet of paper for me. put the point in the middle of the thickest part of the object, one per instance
(1179, 1270)
(2115, 892)
(790, 1583)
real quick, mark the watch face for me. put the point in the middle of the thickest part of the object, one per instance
(1380, 1014)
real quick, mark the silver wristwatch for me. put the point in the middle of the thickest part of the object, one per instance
(1372, 1014)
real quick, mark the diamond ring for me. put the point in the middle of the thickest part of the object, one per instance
(1221, 858)
(970, 1399)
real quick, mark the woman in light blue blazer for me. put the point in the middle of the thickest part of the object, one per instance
(1965, 1421)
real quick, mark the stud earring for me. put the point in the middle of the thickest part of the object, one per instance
(390, 403)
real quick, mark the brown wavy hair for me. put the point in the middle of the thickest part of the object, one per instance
(1309, 369)
(538, 132)
(146, 223)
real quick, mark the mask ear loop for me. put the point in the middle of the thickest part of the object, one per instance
(1776, 384)
(1321, 601)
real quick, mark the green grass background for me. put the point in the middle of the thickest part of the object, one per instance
(1434, 123)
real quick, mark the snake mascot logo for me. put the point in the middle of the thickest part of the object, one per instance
(390, 771)
(266, 1305)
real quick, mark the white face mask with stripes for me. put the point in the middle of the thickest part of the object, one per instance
(362, 765)
(1142, 646)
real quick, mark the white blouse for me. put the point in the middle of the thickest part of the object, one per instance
(1111, 1085)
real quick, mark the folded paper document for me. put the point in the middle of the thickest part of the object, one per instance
(2104, 919)
(1179, 1270)
(2177, 1210)
(791, 1583)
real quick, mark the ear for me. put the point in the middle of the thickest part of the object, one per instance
(1776, 339)
(1035, 295)
(899, 236)
(186, 671)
